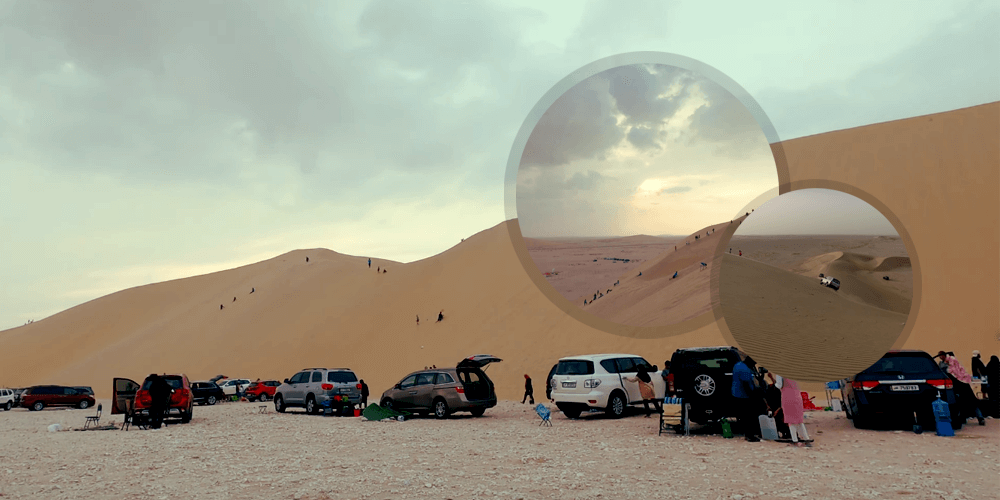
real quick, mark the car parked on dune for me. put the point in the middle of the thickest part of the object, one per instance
(597, 381)
(127, 394)
(314, 388)
(898, 388)
(262, 391)
(206, 392)
(40, 396)
(444, 391)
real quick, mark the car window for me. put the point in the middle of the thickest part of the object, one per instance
(317, 376)
(443, 378)
(642, 362)
(299, 378)
(609, 366)
(575, 367)
(717, 362)
(626, 365)
(69, 391)
(341, 377)
(470, 377)
(902, 364)
(408, 382)
(425, 379)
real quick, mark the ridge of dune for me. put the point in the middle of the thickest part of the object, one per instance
(332, 311)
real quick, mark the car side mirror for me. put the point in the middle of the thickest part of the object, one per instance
(286, 380)
(399, 386)
(654, 368)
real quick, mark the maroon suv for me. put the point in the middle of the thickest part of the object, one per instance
(38, 397)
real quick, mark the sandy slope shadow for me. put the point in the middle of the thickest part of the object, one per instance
(800, 329)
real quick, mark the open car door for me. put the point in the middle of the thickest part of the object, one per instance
(478, 361)
(123, 395)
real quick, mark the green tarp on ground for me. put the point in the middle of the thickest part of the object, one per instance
(376, 412)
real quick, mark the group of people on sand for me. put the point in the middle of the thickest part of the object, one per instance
(440, 317)
(760, 392)
(965, 397)
(598, 294)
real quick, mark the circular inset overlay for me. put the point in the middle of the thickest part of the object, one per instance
(623, 183)
(817, 284)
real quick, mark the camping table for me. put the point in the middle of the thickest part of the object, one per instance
(675, 416)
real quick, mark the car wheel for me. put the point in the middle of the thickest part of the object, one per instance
(83, 404)
(279, 404)
(8, 406)
(211, 400)
(263, 398)
(311, 405)
(440, 409)
(847, 411)
(862, 421)
(569, 410)
(478, 412)
(386, 403)
(616, 406)
(186, 416)
(38, 406)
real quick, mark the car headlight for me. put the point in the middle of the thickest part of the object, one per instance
(591, 383)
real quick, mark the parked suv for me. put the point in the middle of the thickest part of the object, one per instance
(444, 391)
(899, 385)
(40, 396)
(598, 381)
(7, 399)
(181, 403)
(206, 393)
(703, 377)
(312, 388)
(262, 390)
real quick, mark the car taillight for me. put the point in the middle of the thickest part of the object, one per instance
(358, 386)
(591, 383)
(461, 390)
(143, 399)
(941, 384)
(327, 387)
(864, 386)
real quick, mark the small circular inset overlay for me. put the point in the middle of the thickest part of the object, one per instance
(626, 186)
(818, 284)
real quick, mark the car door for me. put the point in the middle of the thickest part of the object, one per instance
(296, 388)
(423, 389)
(122, 395)
(659, 385)
(405, 393)
(626, 368)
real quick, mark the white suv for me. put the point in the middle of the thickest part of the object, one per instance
(598, 381)
(6, 399)
(229, 385)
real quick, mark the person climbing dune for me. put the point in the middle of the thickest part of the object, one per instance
(440, 316)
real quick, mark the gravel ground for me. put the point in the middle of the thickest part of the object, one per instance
(231, 451)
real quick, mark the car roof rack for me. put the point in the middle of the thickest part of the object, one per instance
(306, 369)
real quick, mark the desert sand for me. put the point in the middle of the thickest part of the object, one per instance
(229, 451)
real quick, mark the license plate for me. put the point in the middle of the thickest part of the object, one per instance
(345, 390)
(569, 385)
(906, 387)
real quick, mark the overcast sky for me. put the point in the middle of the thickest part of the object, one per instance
(146, 141)
(641, 149)
(816, 211)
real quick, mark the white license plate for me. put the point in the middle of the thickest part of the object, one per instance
(569, 385)
(906, 387)
(345, 390)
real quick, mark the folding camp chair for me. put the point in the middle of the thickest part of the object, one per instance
(544, 414)
(675, 416)
(94, 419)
(133, 417)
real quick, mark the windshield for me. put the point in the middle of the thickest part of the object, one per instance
(174, 382)
(341, 377)
(902, 364)
(575, 367)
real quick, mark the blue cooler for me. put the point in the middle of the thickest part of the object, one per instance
(942, 417)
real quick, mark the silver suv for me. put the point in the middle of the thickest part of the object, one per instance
(314, 388)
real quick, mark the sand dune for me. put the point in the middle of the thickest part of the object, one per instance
(800, 329)
(656, 298)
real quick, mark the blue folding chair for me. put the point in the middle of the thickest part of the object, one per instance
(545, 415)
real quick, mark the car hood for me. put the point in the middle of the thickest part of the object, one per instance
(478, 361)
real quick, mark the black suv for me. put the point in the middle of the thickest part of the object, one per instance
(207, 393)
(703, 376)
(899, 385)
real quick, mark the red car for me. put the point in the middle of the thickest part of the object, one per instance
(128, 393)
(40, 396)
(263, 391)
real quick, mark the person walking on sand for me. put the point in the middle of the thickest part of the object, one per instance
(307, 259)
(364, 394)
(529, 392)
(993, 392)
(744, 390)
(221, 307)
(978, 368)
(159, 391)
(792, 410)
(646, 389)
(418, 320)
(369, 263)
(741, 253)
(440, 316)
(252, 290)
(234, 299)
